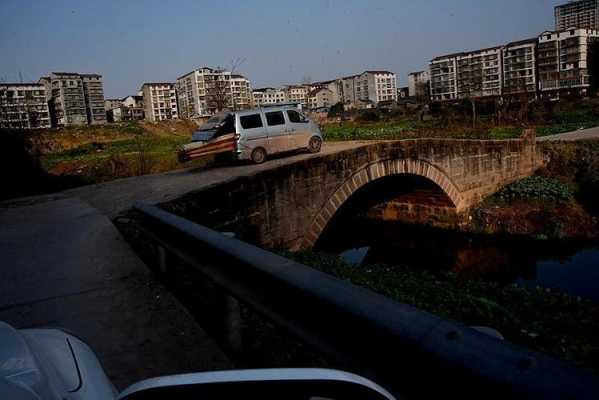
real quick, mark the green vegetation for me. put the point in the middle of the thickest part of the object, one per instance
(567, 116)
(536, 188)
(410, 128)
(494, 121)
(92, 154)
(157, 147)
(578, 164)
(540, 319)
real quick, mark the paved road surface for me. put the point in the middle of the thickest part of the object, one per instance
(64, 264)
(582, 134)
(113, 197)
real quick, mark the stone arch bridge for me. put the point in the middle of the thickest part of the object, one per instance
(290, 205)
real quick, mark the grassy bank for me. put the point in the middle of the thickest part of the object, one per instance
(541, 319)
(101, 153)
(455, 121)
(412, 128)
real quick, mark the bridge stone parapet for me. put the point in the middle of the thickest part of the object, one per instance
(290, 205)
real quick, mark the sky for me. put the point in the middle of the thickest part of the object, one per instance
(272, 42)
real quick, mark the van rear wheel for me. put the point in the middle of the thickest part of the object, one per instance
(258, 155)
(315, 144)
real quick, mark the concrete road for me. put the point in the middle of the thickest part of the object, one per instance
(64, 264)
(581, 134)
(113, 197)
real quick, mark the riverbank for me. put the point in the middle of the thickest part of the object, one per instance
(559, 202)
(544, 320)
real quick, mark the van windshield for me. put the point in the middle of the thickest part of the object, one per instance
(216, 122)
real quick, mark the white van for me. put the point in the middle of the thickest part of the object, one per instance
(254, 134)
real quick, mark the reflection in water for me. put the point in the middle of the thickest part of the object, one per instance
(572, 268)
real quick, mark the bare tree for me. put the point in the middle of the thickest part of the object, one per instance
(219, 94)
(472, 90)
(235, 64)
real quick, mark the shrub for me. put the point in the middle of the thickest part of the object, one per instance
(536, 188)
(337, 110)
(369, 115)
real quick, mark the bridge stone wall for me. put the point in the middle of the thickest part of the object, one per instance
(290, 205)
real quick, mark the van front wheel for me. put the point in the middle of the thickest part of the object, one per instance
(258, 155)
(315, 144)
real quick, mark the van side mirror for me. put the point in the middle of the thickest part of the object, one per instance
(264, 384)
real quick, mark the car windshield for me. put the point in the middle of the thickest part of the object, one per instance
(214, 122)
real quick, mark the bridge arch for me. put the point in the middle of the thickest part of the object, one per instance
(373, 172)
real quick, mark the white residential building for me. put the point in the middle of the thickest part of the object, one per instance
(418, 84)
(320, 98)
(479, 73)
(206, 91)
(75, 99)
(109, 104)
(335, 88)
(562, 60)
(241, 92)
(297, 93)
(23, 106)
(577, 14)
(520, 67)
(160, 101)
(266, 96)
(376, 87)
(444, 78)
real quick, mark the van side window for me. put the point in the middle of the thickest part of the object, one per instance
(296, 117)
(251, 121)
(275, 118)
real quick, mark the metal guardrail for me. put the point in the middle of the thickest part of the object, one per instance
(409, 351)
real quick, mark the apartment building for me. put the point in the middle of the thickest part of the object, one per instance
(520, 67)
(75, 99)
(110, 104)
(160, 101)
(375, 87)
(577, 14)
(205, 91)
(241, 92)
(562, 61)
(23, 106)
(444, 78)
(479, 73)
(93, 94)
(475, 73)
(347, 89)
(403, 92)
(418, 84)
(64, 91)
(266, 96)
(297, 93)
(321, 97)
(495, 71)
(130, 108)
